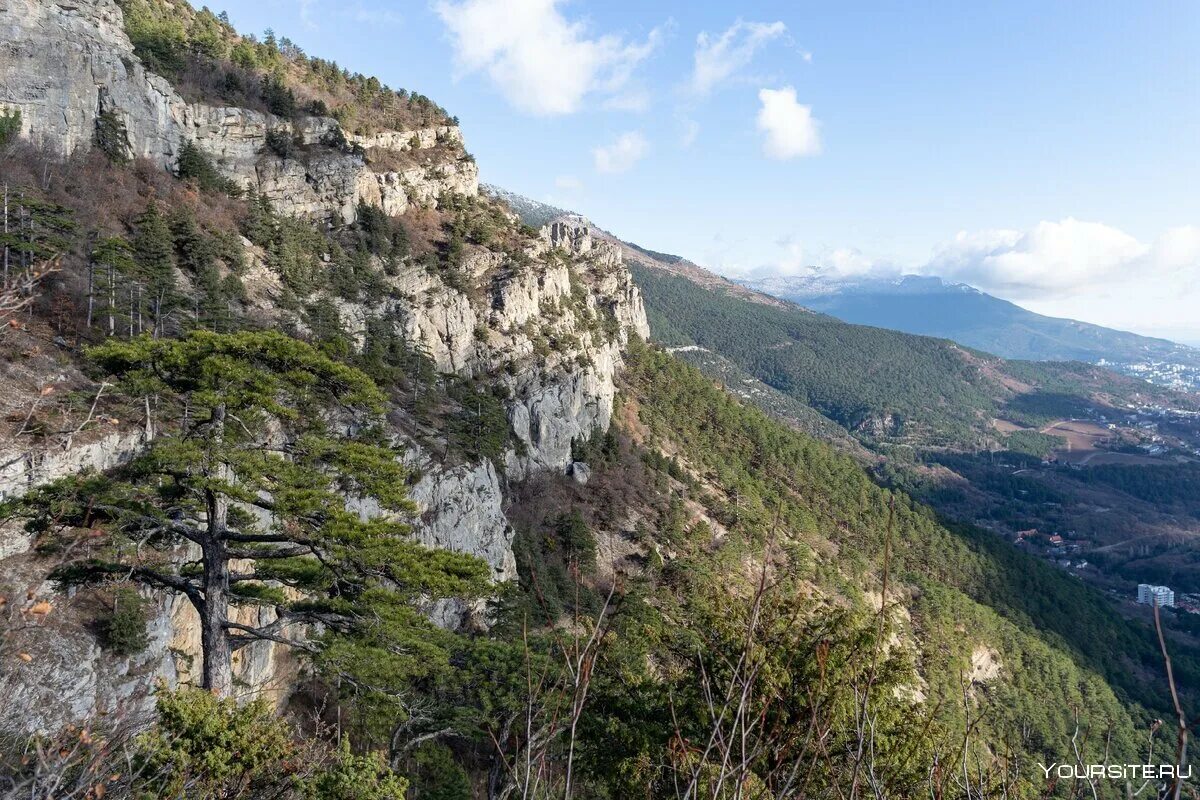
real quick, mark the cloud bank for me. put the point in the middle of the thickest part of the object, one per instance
(541, 62)
(1055, 259)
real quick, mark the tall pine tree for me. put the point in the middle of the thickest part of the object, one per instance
(154, 254)
(249, 497)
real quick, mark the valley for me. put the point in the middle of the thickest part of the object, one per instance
(327, 473)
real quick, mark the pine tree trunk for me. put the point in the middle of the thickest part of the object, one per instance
(217, 674)
(91, 290)
(214, 637)
(6, 234)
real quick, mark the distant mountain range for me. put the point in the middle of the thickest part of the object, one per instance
(932, 306)
(531, 212)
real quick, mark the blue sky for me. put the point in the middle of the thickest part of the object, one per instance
(1044, 151)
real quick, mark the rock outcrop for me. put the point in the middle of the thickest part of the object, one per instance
(547, 323)
(63, 65)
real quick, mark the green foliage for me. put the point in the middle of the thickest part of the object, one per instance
(479, 428)
(551, 566)
(884, 386)
(207, 60)
(38, 230)
(380, 234)
(280, 99)
(207, 747)
(390, 359)
(1033, 443)
(112, 138)
(283, 143)
(327, 330)
(157, 33)
(249, 427)
(578, 543)
(881, 383)
(820, 497)
(194, 165)
(197, 253)
(1039, 408)
(10, 125)
(154, 258)
(599, 449)
(354, 777)
(437, 776)
(1173, 486)
(124, 628)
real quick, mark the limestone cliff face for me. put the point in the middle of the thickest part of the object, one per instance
(567, 397)
(63, 64)
(550, 326)
(548, 323)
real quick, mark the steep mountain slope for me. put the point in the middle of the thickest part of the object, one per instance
(501, 343)
(883, 384)
(886, 385)
(930, 396)
(930, 306)
(531, 212)
(629, 541)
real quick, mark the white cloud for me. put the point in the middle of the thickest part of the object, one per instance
(541, 62)
(1050, 258)
(853, 262)
(1085, 270)
(789, 127)
(622, 154)
(792, 259)
(1071, 268)
(568, 183)
(718, 57)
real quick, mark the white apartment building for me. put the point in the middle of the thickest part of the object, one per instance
(1148, 593)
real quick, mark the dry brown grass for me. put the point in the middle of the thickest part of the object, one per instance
(426, 229)
(106, 198)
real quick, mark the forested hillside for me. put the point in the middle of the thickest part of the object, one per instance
(882, 384)
(326, 478)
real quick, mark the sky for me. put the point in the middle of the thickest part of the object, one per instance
(1046, 152)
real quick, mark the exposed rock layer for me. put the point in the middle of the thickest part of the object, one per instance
(64, 64)
(549, 324)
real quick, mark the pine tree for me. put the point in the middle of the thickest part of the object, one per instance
(113, 259)
(257, 477)
(196, 253)
(194, 165)
(153, 252)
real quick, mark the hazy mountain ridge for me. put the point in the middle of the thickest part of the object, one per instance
(931, 306)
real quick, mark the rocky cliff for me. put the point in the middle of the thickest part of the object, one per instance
(65, 64)
(546, 320)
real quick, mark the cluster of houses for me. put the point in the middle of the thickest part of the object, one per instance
(1188, 602)
(1058, 549)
